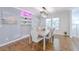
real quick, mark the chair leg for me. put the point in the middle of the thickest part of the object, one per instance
(51, 39)
(30, 40)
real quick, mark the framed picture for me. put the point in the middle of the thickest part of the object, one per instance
(10, 20)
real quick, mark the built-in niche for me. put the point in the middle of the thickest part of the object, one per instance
(26, 17)
(26, 21)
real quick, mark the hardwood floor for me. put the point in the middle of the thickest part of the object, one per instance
(64, 44)
(60, 43)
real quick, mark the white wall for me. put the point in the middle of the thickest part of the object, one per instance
(43, 22)
(35, 24)
(65, 21)
(65, 18)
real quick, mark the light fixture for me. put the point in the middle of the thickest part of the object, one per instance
(43, 14)
(44, 11)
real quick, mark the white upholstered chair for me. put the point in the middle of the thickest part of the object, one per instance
(50, 35)
(35, 37)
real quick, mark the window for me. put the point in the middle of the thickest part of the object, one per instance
(54, 22)
(48, 22)
(75, 22)
(75, 27)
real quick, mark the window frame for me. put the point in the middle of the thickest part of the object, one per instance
(50, 22)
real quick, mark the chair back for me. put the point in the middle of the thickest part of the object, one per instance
(34, 35)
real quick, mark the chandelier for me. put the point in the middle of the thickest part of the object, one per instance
(44, 12)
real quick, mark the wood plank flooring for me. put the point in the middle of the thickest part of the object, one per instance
(60, 43)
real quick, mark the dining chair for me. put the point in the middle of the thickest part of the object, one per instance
(35, 38)
(50, 35)
(35, 35)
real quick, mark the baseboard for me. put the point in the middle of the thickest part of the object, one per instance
(15, 40)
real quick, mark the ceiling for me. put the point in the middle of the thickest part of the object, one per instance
(15, 11)
(36, 10)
